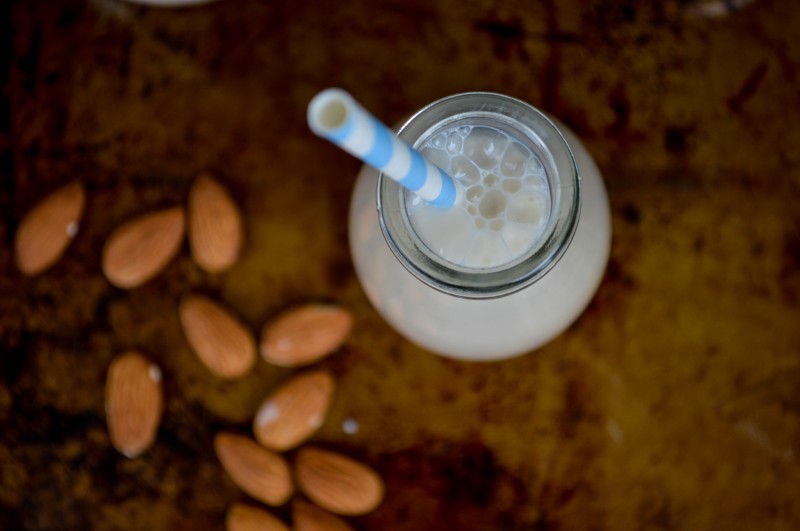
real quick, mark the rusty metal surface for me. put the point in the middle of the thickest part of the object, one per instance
(671, 404)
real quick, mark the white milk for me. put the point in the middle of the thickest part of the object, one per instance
(504, 202)
(484, 328)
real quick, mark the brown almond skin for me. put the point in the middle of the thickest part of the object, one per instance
(220, 340)
(241, 517)
(134, 403)
(216, 230)
(295, 411)
(337, 483)
(142, 247)
(305, 334)
(259, 472)
(308, 517)
(47, 229)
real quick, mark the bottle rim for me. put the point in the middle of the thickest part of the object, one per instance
(522, 121)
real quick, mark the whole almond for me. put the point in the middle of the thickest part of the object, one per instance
(306, 334)
(215, 225)
(242, 517)
(259, 472)
(308, 517)
(46, 230)
(139, 249)
(337, 483)
(293, 412)
(133, 403)
(218, 338)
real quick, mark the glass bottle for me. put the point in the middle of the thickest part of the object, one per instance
(507, 309)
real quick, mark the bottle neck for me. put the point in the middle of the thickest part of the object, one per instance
(526, 125)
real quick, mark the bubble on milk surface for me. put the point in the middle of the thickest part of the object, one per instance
(511, 186)
(525, 208)
(437, 156)
(534, 167)
(485, 146)
(454, 144)
(474, 193)
(514, 160)
(439, 141)
(504, 202)
(490, 180)
(493, 204)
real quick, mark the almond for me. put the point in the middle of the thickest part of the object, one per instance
(242, 517)
(293, 412)
(308, 517)
(46, 230)
(218, 338)
(337, 483)
(306, 334)
(140, 248)
(259, 472)
(215, 225)
(133, 403)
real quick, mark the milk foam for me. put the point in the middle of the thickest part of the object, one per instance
(505, 203)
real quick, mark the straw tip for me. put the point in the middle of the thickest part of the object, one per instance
(329, 110)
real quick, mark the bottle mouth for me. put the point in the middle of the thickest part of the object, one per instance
(534, 130)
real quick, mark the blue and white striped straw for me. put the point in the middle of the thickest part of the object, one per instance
(335, 115)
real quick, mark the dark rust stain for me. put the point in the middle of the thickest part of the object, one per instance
(790, 266)
(558, 36)
(68, 17)
(188, 429)
(124, 68)
(435, 485)
(340, 271)
(551, 70)
(656, 512)
(749, 88)
(616, 274)
(34, 423)
(574, 412)
(174, 42)
(6, 40)
(510, 30)
(507, 36)
(605, 18)
(621, 105)
(28, 63)
(13, 357)
(631, 214)
(676, 139)
(699, 244)
(10, 517)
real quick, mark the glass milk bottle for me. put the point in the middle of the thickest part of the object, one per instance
(515, 261)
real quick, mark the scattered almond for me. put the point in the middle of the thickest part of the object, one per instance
(218, 338)
(337, 483)
(215, 225)
(242, 517)
(306, 334)
(259, 472)
(140, 248)
(133, 403)
(293, 412)
(46, 230)
(308, 517)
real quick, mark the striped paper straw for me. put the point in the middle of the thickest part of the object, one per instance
(335, 115)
